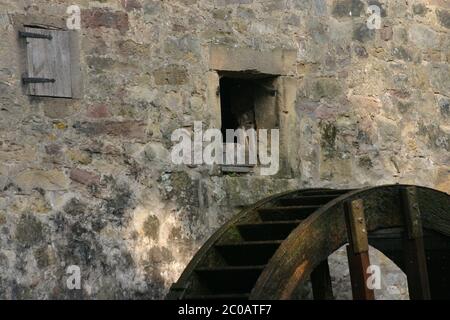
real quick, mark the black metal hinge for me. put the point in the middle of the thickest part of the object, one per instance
(27, 80)
(23, 34)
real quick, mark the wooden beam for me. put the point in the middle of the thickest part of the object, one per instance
(319, 237)
(414, 249)
(321, 282)
(358, 250)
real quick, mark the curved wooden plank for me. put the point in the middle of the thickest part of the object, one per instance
(325, 231)
(179, 288)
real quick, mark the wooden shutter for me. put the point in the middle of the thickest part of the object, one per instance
(49, 59)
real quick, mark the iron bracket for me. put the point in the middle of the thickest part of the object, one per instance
(23, 34)
(27, 80)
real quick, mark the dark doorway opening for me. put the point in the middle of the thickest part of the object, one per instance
(237, 104)
(247, 101)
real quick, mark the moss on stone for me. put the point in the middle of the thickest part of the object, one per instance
(347, 8)
(29, 231)
(365, 162)
(326, 88)
(75, 207)
(2, 218)
(420, 9)
(328, 141)
(444, 18)
(42, 258)
(151, 227)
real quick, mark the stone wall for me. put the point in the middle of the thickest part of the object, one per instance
(89, 181)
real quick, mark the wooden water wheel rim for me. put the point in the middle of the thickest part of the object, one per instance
(319, 235)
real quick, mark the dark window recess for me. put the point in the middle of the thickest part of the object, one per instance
(237, 104)
(247, 102)
(49, 63)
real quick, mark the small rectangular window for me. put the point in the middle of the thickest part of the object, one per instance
(248, 101)
(237, 104)
(49, 63)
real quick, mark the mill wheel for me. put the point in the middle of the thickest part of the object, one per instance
(274, 249)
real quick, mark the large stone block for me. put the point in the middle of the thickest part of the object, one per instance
(84, 177)
(440, 79)
(132, 129)
(52, 180)
(171, 75)
(423, 37)
(276, 62)
(99, 17)
(11, 152)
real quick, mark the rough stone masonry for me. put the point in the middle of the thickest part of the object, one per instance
(89, 181)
